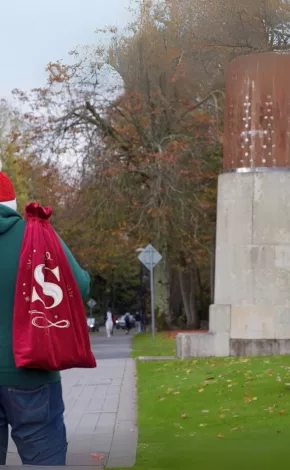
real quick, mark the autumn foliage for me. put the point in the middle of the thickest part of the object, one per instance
(139, 164)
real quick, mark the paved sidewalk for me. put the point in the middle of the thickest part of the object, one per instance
(100, 415)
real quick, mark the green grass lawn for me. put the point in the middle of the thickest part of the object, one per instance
(143, 345)
(217, 413)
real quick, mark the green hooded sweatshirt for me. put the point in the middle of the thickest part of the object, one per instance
(12, 228)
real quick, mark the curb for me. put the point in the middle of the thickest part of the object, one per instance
(156, 358)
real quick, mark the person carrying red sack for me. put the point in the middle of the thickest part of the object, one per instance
(38, 329)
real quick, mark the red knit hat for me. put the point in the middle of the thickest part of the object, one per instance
(7, 193)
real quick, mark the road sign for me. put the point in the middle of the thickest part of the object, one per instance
(92, 303)
(150, 257)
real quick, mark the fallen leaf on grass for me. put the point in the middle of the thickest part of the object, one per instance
(143, 446)
(239, 428)
(250, 399)
(282, 412)
(201, 390)
(202, 425)
(184, 416)
(220, 436)
(271, 409)
(215, 364)
(209, 381)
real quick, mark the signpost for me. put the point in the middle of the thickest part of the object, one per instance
(150, 257)
(91, 303)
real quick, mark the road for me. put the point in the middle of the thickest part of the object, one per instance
(116, 347)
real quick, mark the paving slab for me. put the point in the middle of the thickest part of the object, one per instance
(100, 415)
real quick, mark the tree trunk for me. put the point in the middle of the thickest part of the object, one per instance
(187, 289)
(162, 292)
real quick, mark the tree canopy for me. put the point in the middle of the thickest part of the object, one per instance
(126, 144)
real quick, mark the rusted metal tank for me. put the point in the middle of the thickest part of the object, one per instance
(257, 113)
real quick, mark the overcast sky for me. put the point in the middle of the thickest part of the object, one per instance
(35, 32)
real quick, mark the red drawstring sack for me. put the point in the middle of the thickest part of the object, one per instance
(49, 320)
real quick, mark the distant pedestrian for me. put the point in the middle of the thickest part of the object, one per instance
(138, 322)
(143, 323)
(109, 323)
(114, 323)
(128, 322)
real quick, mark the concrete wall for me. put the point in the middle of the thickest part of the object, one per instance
(253, 253)
(194, 345)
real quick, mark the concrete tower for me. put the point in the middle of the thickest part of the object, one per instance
(251, 313)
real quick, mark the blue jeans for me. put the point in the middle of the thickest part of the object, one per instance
(37, 423)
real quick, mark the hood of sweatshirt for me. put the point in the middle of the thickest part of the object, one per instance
(8, 218)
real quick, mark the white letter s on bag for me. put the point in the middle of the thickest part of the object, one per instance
(48, 288)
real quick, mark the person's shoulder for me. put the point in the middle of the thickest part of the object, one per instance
(21, 224)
